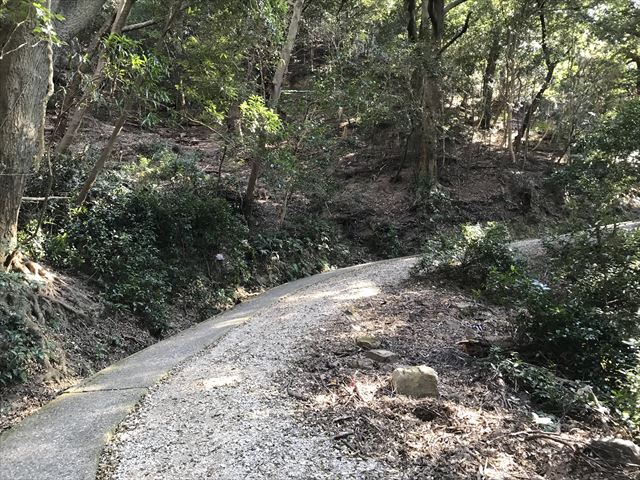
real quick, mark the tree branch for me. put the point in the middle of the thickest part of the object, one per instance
(138, 26)
(453, 5)
(462, 31)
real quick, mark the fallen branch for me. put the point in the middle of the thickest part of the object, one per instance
(546, 436)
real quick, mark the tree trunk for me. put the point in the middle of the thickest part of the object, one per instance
(285, 55)
(432, 11)
(551, 66)
(26, 83)
(278, 79)
(428, 166)
(412, 24)
(74, 88)
(104, 156)
(75, 120)
(174, 12)
(488, 79)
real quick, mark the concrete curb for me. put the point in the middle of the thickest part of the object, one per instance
(65, 438)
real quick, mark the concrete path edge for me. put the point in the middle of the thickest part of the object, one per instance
(65, 438)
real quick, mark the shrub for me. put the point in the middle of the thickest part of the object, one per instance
(470, 257)
(554, 394)
(22, 350)
(302, 248)
(167, 238)
(115, 243)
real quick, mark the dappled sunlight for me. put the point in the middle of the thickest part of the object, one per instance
(215, 382)
(354, 291)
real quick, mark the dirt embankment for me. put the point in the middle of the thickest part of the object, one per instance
(53, 333)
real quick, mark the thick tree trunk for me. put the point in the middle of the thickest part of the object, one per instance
(26, 83)
(278, 79)
(488, 80)
(431, 97)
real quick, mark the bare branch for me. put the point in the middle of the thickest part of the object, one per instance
(462, 31)
(138, 26)
(453, 5)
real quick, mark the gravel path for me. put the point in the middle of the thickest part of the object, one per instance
(227, 415)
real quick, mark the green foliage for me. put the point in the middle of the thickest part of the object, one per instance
(583, 324)
(258, 117)
(169, 238)
(618, 135)
(554, 394)
(133, 71)
(384, 240)
(587, 319)
(303, 248)
(20, 351)
(115, 242)
(21, 346)
(470, 257)
(40, 18)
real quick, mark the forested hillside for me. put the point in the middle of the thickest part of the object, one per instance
(161, 162)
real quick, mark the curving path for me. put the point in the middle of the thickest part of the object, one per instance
(219, 413)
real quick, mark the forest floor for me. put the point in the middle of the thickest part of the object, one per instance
(290, 395)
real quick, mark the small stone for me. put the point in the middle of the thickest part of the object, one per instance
(382, 356)
(616, 450)
(361, 363)
(368, 342)
(417, 382)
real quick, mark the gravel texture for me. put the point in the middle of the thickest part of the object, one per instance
(228, 414)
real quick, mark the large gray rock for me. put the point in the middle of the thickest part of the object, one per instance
(417, 382)
(616, 450)
(382, 356)
(368, 342)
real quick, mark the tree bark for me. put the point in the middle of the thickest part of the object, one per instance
(488, 79)
(26, 83)
(412, 23)
(278, 79)
(433, 12)
(285, 54)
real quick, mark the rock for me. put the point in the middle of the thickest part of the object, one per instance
(382, 356)
(361, 363)
(417, 382)
(616, 450)
(368, 342)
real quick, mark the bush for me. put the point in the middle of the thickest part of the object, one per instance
(583, 325)
(555, 395)
(168, 238)
(302, 248)
(115, 242)
(470, 257)
(22, 349)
